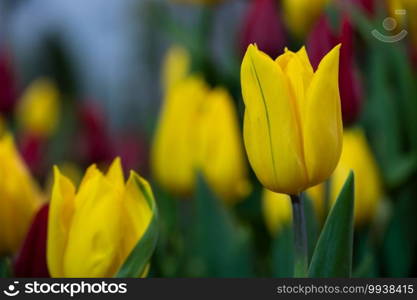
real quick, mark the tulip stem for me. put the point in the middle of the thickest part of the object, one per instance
(300, 237)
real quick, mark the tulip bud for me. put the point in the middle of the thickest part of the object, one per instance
(173, 158)
(20, 197)
(321, 40)
(31, 261)
(8, 93)
(356, 156)
(198, 131)
(277, 211)
(262, 26)
(176, 65)
(221, 155)
(292, 124)
(38, 110)
(300, 15)
(92, 230)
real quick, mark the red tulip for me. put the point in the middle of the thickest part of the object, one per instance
(32, 149)
(31, 260)
(8, 93)
(262, 25)
(321, 40)
(95, 141)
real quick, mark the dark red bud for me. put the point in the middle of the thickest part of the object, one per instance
(31, 260)
(321, 40)
(262, 25)
(8, 92)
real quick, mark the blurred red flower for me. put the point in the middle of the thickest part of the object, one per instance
(321, 40)
(262, 25)
(31, 260)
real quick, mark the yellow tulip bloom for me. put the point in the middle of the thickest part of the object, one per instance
(173, 151)
(176, 66)
(222, 158)
(357, 156)
(20, 197)
(38, 110)
(300, 15)
(198, 131)
(277, 211)
(292, 124)
(92, 230)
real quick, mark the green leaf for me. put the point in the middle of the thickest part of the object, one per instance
(137, 261)
(5, 269)
(333, 254)
(400, 240)
(222, 245)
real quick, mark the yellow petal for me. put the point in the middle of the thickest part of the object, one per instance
(20, 197)
(95, 233)
(357, 156)
(271, 133)
(322, 120)
(61, 211)
(115, 173)
(176, 66)
(137, 213)
(277, 210)
(222, 157)
(173, 150)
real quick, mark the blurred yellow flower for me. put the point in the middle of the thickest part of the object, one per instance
(292, 124)
(39, 108)
(20, 197)
(221, 155)
(357, 156)
(175, 67)
(174, 146)
(277, 210)
(92, 230)
(300, 15)
(198, 131)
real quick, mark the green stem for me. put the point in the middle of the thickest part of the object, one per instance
(300, 237)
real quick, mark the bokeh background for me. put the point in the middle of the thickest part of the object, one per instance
(82, 82)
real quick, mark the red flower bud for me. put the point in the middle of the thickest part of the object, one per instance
(262, 25)
(31, 260)
(321, 40)
(8, 93)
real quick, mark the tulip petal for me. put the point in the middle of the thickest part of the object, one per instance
(115, 173)
(95, 234)
(322, 120)
(61, 212)
(271, 133)
(137, 213)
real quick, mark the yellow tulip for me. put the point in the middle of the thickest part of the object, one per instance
(277, 211)
(222, 159)
(292, 124)
(92, 230)
(20, 197)
(357, 156)
(173, 151)
(300, 15)
(176, 66)
(38, 110)
(198, 132)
